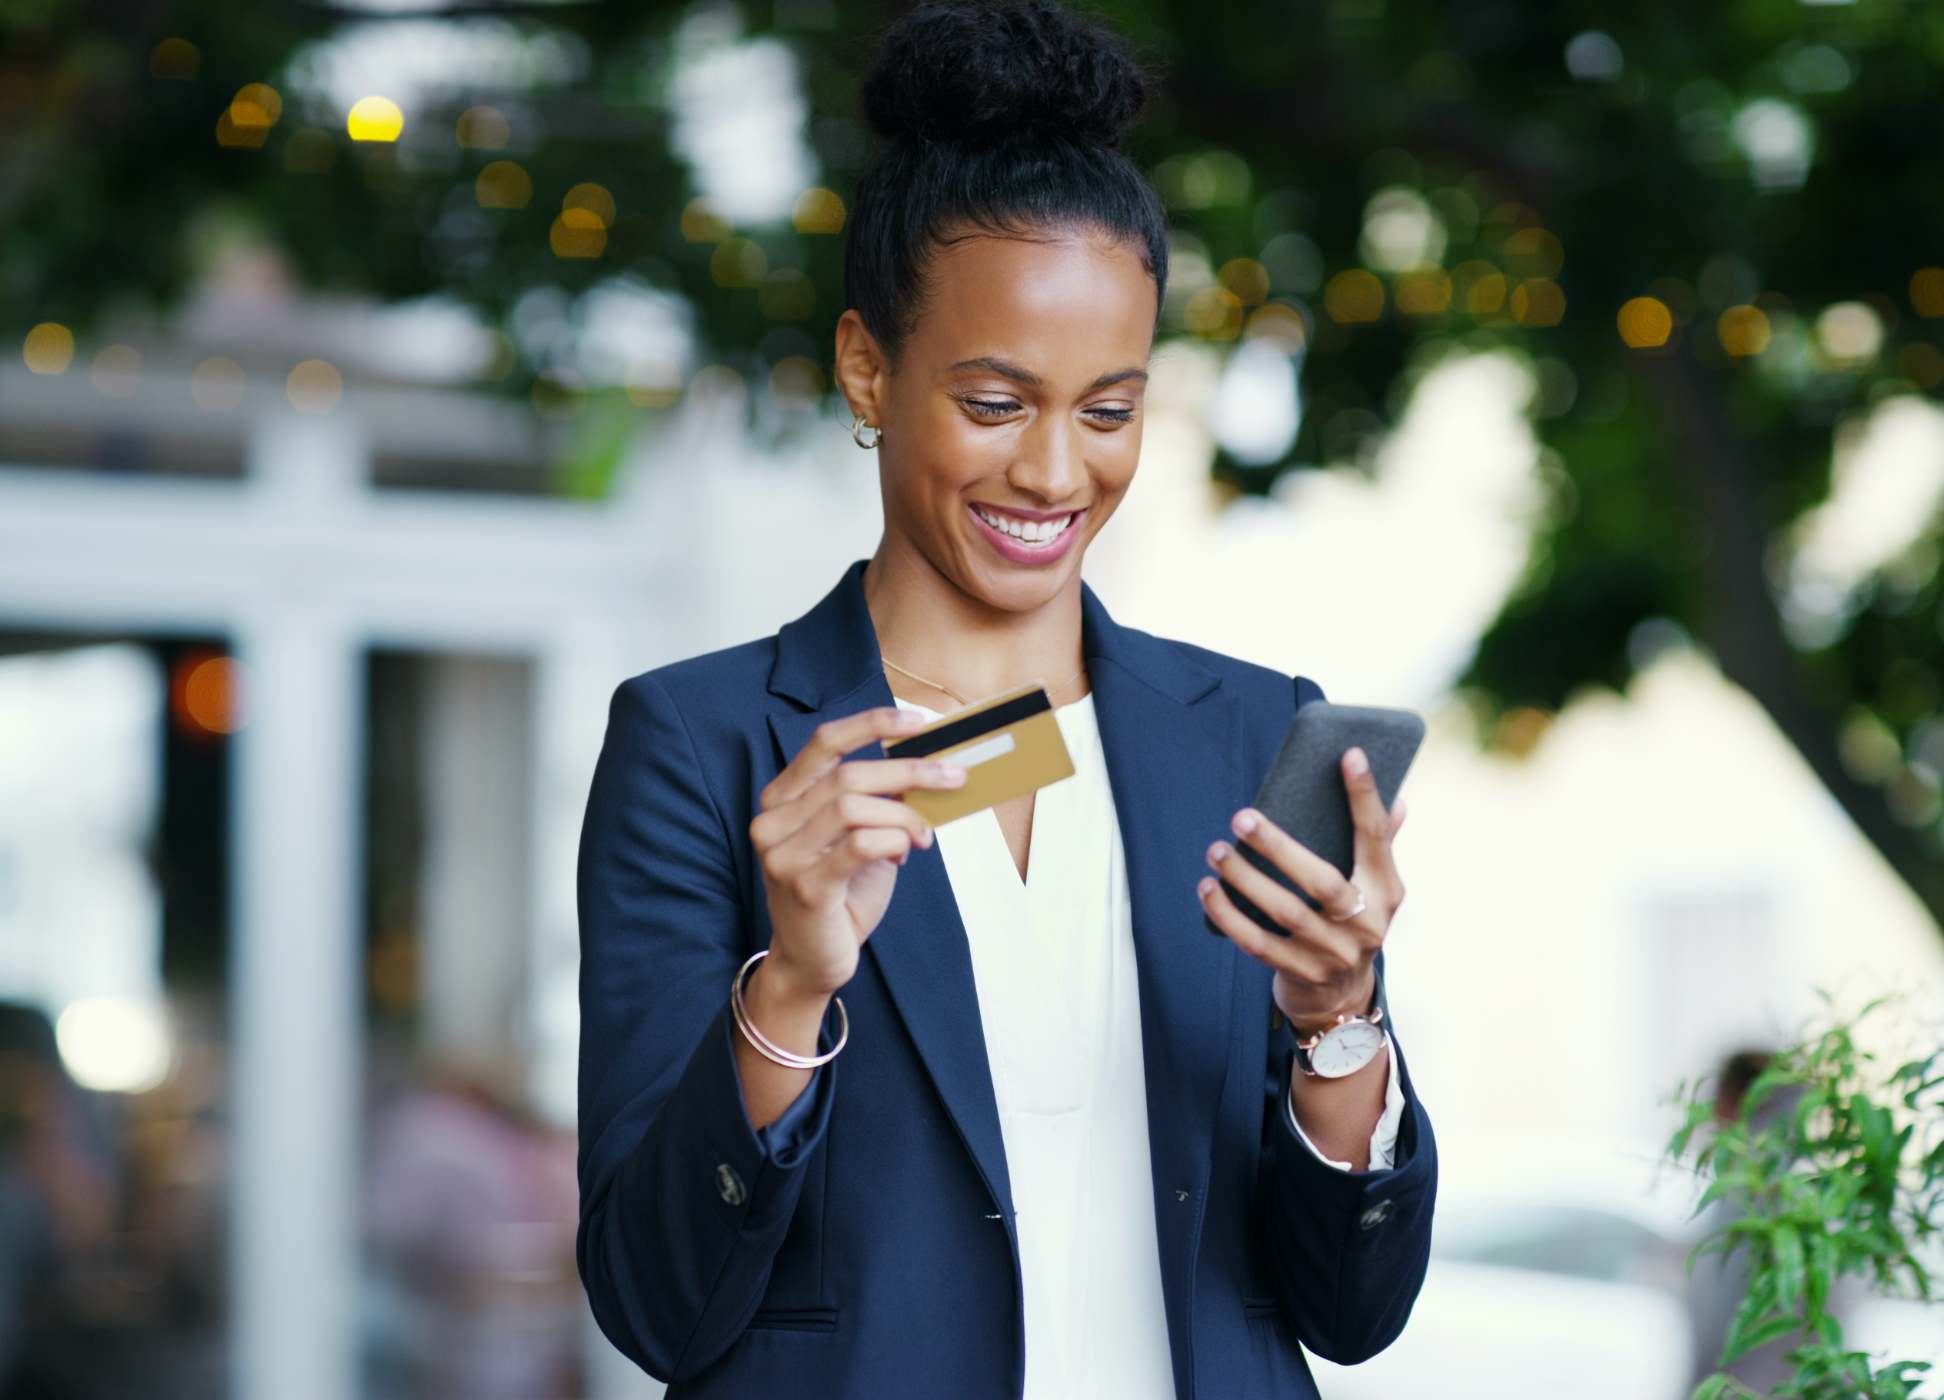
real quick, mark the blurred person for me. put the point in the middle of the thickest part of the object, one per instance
(1072, 1148)
(471, 1210)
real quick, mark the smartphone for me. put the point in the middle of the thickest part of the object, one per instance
(1304, 793)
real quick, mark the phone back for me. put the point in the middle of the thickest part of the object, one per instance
(1304, 793)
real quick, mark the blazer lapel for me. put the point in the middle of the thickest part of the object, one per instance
(1171, 737)
(828, 660)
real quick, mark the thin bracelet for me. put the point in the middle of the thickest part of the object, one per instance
(762, 1044)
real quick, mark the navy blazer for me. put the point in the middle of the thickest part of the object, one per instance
(876, 1255)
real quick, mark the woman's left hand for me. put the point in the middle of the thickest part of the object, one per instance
(1326, 966)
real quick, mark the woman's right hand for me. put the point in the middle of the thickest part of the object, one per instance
(830, 838)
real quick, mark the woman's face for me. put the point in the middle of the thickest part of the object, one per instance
(1012, 421)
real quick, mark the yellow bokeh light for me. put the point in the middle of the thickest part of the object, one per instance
(1354, 297)
(739, 262)
(1214, 313)
(117, 371)
(653, 381)
(1282, 324)
(503, 185)
(49, 348)
(796, 382)
(787, 295)
(1921, 364)
(374, 119)
(815, 211)
(1743, 330)
(314, 386)
(1247, 278)
(577, 233)
(246, 122)
(483, 129)
(1927, 292)
(702, 222)
(593, 199)
(1645, 322)
(1534, 253)
(217, 385)
(1422, 291)
(1537, 302)
(213, 695)
(175, 60)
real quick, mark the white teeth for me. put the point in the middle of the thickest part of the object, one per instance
(1026, 531)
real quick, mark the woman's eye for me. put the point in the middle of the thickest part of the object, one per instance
(1112, 415)
(991, 408)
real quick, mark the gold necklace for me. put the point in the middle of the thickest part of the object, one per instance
(947, 690)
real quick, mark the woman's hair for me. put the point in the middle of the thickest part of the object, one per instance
(999, 119)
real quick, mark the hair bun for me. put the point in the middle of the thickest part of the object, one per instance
(957, 70)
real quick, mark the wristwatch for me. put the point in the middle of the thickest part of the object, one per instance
(1344, 1046)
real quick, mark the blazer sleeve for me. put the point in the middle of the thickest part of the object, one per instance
(1347, 1251)
(683, 1204)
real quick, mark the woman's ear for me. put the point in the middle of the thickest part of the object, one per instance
(861, 369)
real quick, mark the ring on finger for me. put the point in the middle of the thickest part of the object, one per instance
(1362, 904)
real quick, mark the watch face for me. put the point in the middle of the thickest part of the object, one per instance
(1347, 1048)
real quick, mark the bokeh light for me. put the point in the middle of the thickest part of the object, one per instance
(1850, 333)
(114, 1045)
(503, 185)
(217, 384)
(1354, 297)
(1422, 291)
(1922, 364)
(1927, 292)
(1534, 253)
(815, 211)
(117, 371)
(702, 222)
(1743, 330)
(1400, 230)
(796, 382)
(577, 233)
(374, 119)
(1214, 313)
(49, 348)
(246, 122)
(595, 199)
(208, 693)
(1480, 287)
(738, 262)
(1538, 303)
(175, 60)
(1247, 278)
(483, 129)
(1645, 323)
(314, 386)
(1282, 324)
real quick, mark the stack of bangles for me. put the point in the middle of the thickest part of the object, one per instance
(768, 1048)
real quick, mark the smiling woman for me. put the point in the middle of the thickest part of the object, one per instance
(1052, 1140)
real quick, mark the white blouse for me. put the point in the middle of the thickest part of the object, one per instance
(1053, 961)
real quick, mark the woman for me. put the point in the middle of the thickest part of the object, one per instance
(1055, 1143)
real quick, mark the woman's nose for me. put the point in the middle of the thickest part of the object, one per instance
(1050, 464)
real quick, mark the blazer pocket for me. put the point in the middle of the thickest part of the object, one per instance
(796, 1320)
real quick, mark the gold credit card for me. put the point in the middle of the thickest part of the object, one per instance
(1009, 746)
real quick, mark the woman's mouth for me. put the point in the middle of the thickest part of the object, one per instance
(1028, 540)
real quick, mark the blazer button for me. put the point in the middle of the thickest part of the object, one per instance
(729, 1186)
(1369, 1220)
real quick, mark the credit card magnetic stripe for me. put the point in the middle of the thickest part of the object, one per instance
(971, 727)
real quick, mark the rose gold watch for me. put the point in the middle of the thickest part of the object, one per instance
(1343, 1047)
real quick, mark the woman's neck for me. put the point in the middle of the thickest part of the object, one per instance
(965, 649)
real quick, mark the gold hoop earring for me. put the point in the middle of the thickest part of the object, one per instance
(859, 427)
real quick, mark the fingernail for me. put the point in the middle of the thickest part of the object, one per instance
(1220, 852)
(925, 839)
(1206, 887)
(1356, 763)
(910, 719)
(1245, 822)
(949, 773)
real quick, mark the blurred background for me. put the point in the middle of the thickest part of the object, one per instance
(393, 379)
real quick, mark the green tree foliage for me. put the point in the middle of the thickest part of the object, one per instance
(1831, 1169)
(1401, 177)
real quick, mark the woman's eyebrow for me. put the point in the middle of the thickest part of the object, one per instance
(1005, 369)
